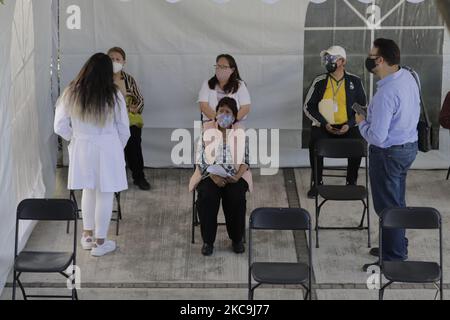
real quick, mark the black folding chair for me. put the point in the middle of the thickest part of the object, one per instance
(341, 149)
(282, 273)
(44, 261)
(411, 271)
(116, 219)
(331, 175)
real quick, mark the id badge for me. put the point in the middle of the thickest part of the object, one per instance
(335, 107)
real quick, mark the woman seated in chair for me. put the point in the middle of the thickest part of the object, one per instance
(223, 174)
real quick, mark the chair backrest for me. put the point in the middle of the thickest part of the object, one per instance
(341, 148)
(280, 219)
(47, 210)
(410, 218)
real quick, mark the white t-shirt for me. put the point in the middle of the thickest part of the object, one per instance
(212, 97)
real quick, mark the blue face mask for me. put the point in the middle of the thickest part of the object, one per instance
(225, 120)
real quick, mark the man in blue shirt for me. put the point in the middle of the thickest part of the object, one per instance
(391, 131)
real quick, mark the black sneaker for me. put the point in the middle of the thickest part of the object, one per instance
(207, 249)
(238, 247)
(368, 265)
(312, 193)
(375, 252)
(142, 184)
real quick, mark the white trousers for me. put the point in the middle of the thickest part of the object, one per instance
(97, 209)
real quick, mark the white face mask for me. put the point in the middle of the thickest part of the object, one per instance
(117, 67)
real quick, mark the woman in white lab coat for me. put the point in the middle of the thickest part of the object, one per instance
(92, 115)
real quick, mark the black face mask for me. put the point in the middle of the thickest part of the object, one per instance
(371, 64)
(331, 67)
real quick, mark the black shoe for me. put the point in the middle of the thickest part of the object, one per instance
(142, 184)
(375, 252)
(207, 249)
(368, 265)
(312, 193)
(238, 247)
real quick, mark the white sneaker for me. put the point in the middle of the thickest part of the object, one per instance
(87, 243)
(100, 250)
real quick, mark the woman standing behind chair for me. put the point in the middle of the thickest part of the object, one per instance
(92, 115)
(222, 174)
(135, 105)
(226, 82)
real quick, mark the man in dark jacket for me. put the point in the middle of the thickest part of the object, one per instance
(328, 105)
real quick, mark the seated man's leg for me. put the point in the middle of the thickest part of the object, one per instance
(208, 203)
(353, 163)
(316, 134)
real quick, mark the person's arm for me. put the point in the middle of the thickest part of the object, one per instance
(62, 124)
(121, 119)
(243, 111)
(375, 131)
(444, 116)
(203, 100)
(243, 167)
(311, 106)
(206, 109)
(361, 99)
(139, 106)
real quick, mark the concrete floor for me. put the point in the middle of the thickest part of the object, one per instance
(156, 260)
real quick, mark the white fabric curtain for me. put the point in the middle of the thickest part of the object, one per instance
(27, 142)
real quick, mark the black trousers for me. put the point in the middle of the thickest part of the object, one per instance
(233, 204)
(133, 153)
(318, 133)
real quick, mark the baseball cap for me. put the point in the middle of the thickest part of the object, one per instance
(334, 51)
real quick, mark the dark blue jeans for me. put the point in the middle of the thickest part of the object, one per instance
(388, 169)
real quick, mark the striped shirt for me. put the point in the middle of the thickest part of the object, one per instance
(132, 89)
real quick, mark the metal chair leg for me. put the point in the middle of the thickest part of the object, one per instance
(22, 288)
(381, 294)
(250, 294)
(194, 219)
(14, 286)
(317, 228)
(448, 173)
(369, 244)
(119, 212)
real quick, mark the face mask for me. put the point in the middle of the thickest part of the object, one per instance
(224, 75)
(117, 67)
(371, 64)
(330, 62)
(225, 120)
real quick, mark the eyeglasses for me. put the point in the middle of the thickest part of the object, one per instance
(222, 67)
(330, 59)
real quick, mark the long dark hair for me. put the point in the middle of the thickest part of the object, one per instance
(233, 84)
(92, 94)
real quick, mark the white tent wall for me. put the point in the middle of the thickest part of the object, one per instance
(27, 142)
(171, 47)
